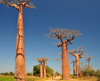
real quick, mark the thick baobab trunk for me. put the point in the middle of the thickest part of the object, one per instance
(65, 65)
(20, 70)
(77, 66)
(41, 72)
(79, 69)
(44, 71)
(73, 69)
(89, 65)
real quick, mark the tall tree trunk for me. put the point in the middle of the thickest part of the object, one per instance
(44, 71)
(77, 66)
(89, 65)
(20, 70)
(73, 69)
(65, 65)
(41, 72)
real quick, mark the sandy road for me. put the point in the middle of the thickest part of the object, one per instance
(57, 78)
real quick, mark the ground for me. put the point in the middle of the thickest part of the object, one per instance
(58, 78)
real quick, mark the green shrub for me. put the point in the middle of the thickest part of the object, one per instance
(6, 73)
(98, 73)
(88, 73)
(36, 70)
(48, 74)
(57, 73)
(11, 73)
(29, 74)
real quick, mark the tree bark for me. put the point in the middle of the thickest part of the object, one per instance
(44, 71)
(65, 65)
(73, 69)
(41, 72)
(77, 66)
(89, 65)
(20, 70)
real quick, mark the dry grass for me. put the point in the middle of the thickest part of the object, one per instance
(78, 79)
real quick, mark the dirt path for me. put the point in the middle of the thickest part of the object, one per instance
(54, 78)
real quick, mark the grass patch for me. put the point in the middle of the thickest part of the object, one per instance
(9, 78)
(4, 78)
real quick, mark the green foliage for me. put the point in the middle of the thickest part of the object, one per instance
(88, 73)
(98, 73)
(57, 73)
(91, 73)
(29, 74)
(6, 73)
(11, 73)
(49, 71)
(36, 71)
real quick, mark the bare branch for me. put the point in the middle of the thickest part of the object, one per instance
(55, 43)
(72, 52)
(67, 44)
(15, 3)
(30, 6)
(73, 61)
(63, 33)
(59, 45)
(80, 52)
(60, 54)
(83, 55)
(88, 58)
(42, 59)
(57, 59)
(9, 4)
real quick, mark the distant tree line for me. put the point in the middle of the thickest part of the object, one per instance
(12, 74)
(6, 73)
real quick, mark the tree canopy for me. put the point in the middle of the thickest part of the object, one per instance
(17, 3)
(63, 33)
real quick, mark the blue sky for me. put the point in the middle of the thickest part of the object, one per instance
(82, 15)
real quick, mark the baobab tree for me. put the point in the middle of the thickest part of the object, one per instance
(78, 56)
(44, 60)
(69, 36)
(40, 61)
(88, 58)
(20, 70)
(73, 61)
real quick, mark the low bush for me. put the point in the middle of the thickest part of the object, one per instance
(88, 73)
(29, 74)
